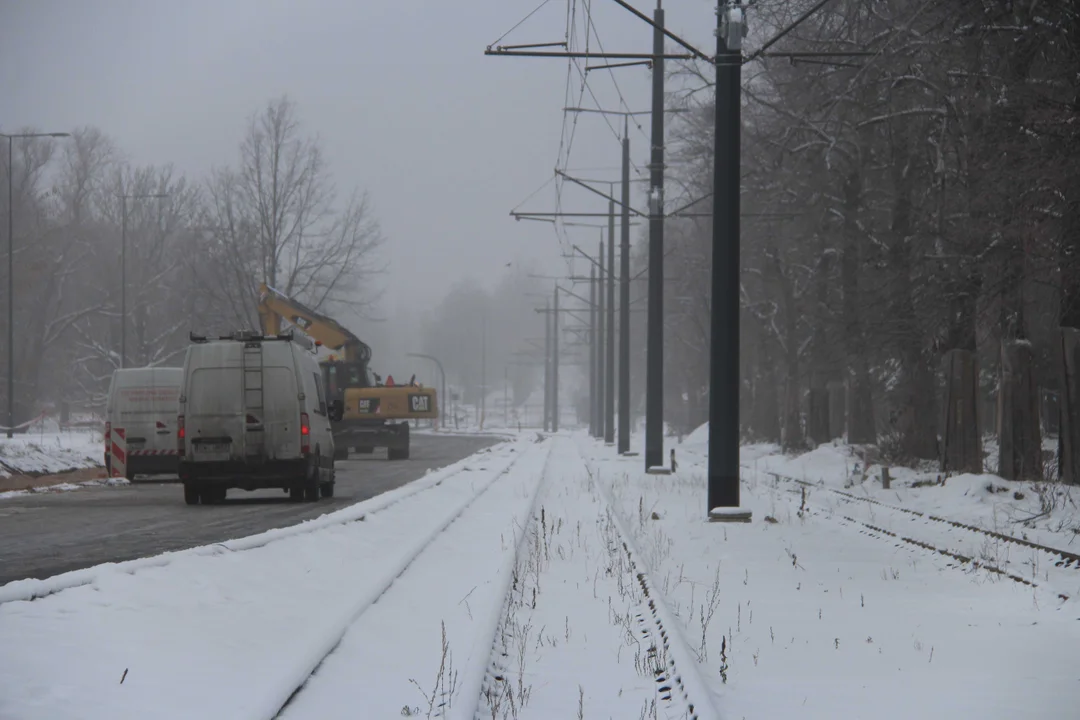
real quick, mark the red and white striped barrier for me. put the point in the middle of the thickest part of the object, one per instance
(26, 424)
(133, 453)
(118, 461)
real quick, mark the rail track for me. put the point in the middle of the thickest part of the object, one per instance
(678, 676)
(318, 685)
(1063, 559)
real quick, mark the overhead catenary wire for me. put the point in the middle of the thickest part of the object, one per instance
(615, 82)
(578, 23)
(519, 23)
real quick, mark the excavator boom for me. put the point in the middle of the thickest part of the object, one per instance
(371, 415)
(275, 306)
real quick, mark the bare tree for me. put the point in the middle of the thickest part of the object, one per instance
(275, 219)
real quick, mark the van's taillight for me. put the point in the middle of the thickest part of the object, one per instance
(305, 434)
(180, 433)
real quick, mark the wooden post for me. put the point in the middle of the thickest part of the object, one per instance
(886, 481)
(962, 446)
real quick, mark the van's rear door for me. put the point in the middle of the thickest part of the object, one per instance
(215, 414)
(281, 414)
(146, 409)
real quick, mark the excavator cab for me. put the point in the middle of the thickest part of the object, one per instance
(340, 375)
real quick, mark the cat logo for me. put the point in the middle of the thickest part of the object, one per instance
(420, 403)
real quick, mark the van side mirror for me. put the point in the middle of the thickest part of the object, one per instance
(336, 409)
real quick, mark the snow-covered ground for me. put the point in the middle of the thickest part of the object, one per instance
(819, 617)
(50, 453)
(554, 579)
(1042, 512)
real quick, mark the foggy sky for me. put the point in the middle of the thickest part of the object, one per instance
(445, 140)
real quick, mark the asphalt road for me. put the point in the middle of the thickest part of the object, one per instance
(47, 534)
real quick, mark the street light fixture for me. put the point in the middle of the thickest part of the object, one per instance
(11, 269)
(123, 266)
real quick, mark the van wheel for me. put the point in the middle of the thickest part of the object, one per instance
(296, 493)
(327, 489)
(191, 494)
(312, 477)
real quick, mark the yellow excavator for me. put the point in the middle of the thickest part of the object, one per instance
(365, 414)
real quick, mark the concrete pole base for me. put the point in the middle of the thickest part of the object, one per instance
(730, 515)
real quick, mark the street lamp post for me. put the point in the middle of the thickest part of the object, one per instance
(11, 269)
(442, 374)
(123, 267)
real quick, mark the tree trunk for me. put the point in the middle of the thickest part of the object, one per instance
(837, 408)
(961, 443)
(766, 403)
(962, 446)
(817, 421)
(921, 431)
(917, 422)
(861, 428)
(1069, 405)
(1068, 349)
(1018, 412)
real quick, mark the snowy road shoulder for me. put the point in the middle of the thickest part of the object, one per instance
(236, 621)
(423, 646)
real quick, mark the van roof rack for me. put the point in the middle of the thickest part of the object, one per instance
(244, 336)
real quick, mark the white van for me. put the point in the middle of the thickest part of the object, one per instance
(143, 402)
(252, 415)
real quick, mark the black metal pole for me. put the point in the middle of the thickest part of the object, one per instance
(654, 370)
(599, 325)
(442, 377)
(609, 365)
(483, 368)
(547, 366)
(592, 352)
(724, 322)
(624, 298)
(555, 364)
(11, 291)
(123, 281)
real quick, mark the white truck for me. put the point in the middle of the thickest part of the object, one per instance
(141, 407)
(253, 414)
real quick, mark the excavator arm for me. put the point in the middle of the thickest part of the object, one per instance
(275, 306)
(369, 416)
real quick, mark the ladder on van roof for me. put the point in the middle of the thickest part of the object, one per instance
(253, 374)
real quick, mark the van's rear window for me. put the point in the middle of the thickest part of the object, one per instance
(215, 391)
